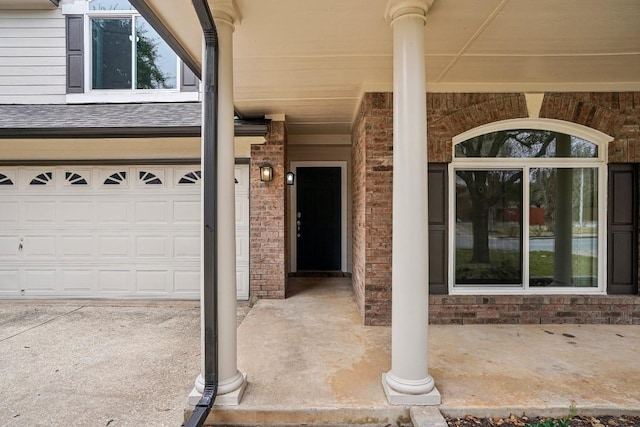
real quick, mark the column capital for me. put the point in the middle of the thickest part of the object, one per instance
(399, 8)
(225, 11)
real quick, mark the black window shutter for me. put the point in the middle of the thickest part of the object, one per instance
(188, 80)
(622, 233)
(75, 53)
(438, 233)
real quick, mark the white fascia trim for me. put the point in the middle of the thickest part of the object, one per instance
(78, 7)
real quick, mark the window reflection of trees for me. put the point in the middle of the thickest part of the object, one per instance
(489, 210)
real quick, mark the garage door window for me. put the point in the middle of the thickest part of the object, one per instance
(5, 180)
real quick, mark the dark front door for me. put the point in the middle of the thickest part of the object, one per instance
(318, 227)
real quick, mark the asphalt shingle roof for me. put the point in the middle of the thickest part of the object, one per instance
(66, 116)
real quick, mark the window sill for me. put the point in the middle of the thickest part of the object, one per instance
(106, 97)
(530, 291)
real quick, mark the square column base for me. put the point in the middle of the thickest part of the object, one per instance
(228, 399)
(428, 399)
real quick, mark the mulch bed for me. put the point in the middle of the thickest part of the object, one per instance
(514, 421)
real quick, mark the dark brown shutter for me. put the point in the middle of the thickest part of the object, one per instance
(438, 222)
(622, 242)
(75, 53)
(188, 80)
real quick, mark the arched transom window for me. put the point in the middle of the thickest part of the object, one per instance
(527, 209)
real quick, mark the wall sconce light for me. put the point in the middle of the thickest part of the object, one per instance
(291, 177)
(266, 172)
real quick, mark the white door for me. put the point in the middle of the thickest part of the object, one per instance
(108, 232)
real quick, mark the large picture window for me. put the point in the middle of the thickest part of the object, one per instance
(526, 213)
(126, 52)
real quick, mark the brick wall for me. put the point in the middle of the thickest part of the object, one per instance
(617, 114)
(450, 114)
(372, 159)
(358, 194)
(534, 309)
(614, 113)
(269, 254)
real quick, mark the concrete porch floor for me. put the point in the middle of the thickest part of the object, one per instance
(310, 360)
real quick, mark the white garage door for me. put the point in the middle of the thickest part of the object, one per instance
(108, 232)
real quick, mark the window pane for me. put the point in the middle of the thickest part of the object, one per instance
(110, 5)
(111, 53)
(526, 144)
(488, 240)
(156, 64)
(563, 227)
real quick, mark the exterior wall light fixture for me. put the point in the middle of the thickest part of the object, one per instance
(291, 177)
(266, 172)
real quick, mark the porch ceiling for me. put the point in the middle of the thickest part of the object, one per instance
(311, 59)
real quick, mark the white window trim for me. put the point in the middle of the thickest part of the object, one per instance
(105, 96)
(122, 95)
(524, 164)
(343, 214)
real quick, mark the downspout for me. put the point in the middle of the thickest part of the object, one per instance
(210, 229)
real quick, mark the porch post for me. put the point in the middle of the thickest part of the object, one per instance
(408, 381)
(231, 382)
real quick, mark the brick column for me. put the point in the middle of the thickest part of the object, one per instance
(372, 169)
(268, 230)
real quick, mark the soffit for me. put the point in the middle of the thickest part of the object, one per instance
(312, 59)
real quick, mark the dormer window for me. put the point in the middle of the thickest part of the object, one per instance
(126, 52)
(115, 55)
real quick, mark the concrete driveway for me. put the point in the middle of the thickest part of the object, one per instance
(87, 363)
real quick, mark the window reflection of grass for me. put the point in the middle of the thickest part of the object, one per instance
(541, 264)
(505, 267)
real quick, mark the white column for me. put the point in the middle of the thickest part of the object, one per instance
(408, 381)
(231, 382)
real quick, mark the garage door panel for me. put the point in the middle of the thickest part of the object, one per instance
(113, 212)
(186, 247)
(186, 282)
(40, 246)
(151, 212)
(112, 281)
(242, 211)
(39, 212)
(241, 173)
(75, 212)
(152, 246)
(9, 246)
(242, 248)
(76, 246)
(40, 281)
(242, 282)
(77, 281)
(9, 214)
(151, 281)
(9, 281)
(113, 246)
(186, 212)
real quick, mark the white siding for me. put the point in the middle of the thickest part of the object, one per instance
(32, 57)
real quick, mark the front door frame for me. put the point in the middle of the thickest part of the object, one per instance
(343, 209)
